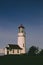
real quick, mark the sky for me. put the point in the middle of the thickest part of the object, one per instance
(26, 12)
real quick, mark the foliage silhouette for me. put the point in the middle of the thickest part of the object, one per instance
(41, 52)
(33, 50)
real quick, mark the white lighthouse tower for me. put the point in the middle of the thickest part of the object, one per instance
(22, 38)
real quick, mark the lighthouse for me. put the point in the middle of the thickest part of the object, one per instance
(22, 38)
(20, 47)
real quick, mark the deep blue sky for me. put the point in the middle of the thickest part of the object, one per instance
(26, 12)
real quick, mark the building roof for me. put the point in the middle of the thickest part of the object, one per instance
(21, 26)
(13, 46)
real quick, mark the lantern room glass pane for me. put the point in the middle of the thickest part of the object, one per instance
(21, 30)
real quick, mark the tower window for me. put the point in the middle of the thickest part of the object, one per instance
(23, 45)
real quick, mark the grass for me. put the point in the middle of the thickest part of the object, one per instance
(21, 60)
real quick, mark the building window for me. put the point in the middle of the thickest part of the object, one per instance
(18, 51)
(7, 52)
(13, 50)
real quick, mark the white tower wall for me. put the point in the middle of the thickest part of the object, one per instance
(22, 40)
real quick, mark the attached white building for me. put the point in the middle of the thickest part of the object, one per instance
(12, 49)
(20, 48)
